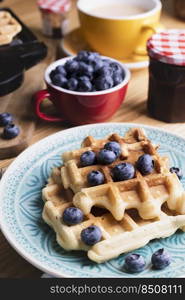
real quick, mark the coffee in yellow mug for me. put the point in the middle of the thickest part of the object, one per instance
(119, 28)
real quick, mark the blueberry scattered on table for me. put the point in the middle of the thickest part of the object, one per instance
(87, 72)
(177, 171)
(91, 235)
(123, 171)
(10, 131)
(160, 259)
(106, 157)
(134, 263)
(95, 178)
(113, 146)
(145, 164)
(5, 119)
(72, 216)
(88, 158)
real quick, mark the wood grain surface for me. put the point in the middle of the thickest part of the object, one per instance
(21, 109)
(132, 110)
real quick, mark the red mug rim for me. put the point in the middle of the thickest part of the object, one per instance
(62, 61)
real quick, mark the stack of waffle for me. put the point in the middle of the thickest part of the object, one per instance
(129, 213)
(9, 28)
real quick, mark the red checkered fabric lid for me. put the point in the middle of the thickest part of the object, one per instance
(56, 6)
(168, 46)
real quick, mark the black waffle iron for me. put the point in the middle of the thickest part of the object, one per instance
(22, 53)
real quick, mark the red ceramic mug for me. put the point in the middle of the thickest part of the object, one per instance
(80, 107)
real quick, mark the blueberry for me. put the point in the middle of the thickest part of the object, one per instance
(116, 68)
(87, 56)
(5, 119)
(88, 158)
(91, 235)
(61, 70)
(64, 82)
(97, 64)
(113, 146)
(123, 171)
(84, 84)
(95, 178)
(92, 72)
(52, 74)
(84, 78)
(11, 131)
(72, 66)
(93, 57)
(72, 84)
(82, 56)
(134, 263)
(106, 157)
(106, 62)
(72, 216)
(160, 259)
(93, 89)
(103, 83)
(177, 171)
(105, 71)
(59, 80)
(145, 164)
(117, 78)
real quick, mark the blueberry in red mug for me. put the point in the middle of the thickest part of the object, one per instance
(87, 88)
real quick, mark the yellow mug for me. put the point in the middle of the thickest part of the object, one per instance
(119, 28)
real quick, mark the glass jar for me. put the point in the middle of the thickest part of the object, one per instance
(166, 92)
(54, 17)
(179, 6)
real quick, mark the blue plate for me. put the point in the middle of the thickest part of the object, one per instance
(21, 207)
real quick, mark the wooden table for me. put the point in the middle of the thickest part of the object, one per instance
(133, 110)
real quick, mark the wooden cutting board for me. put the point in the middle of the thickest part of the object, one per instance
(20, 105)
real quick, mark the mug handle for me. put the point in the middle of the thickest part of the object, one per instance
(38, 98)
(146, 32)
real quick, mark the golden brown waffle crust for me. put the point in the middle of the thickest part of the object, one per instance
(110, 247)
(137, 210)
(145, 193)
(117, 236)
(128, 241)
(9, 27)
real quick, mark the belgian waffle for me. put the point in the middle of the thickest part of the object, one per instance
(145, 193)
(118, 237)
(9, 27)
(134, 144)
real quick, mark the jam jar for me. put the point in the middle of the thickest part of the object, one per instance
(179, 6)
(166, 92)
